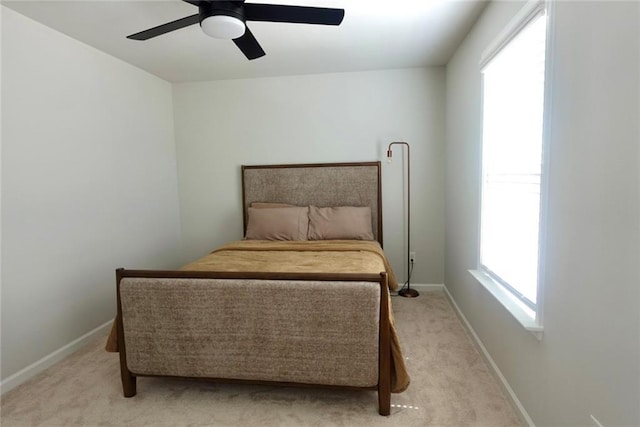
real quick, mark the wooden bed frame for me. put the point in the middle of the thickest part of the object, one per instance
(285, 184)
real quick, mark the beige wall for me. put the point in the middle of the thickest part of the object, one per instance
(588, 361)
(311, 119)
(89, 184)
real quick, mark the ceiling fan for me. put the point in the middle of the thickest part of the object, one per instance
(227, 20)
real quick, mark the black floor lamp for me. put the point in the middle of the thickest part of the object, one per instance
(406, 292)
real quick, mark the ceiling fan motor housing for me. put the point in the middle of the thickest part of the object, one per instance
(233, 9)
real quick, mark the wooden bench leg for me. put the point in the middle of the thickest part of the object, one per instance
(384, 361)
(129, 382)
(128, 379)
(384, 401)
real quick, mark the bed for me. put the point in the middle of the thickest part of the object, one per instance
(275, 307)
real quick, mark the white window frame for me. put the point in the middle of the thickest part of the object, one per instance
(531, 320)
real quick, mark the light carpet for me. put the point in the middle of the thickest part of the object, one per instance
(450, 386)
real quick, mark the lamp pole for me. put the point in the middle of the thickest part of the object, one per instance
(406, 292)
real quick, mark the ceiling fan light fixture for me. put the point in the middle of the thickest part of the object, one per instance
(223, 27)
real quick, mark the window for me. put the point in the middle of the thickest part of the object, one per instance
(513, 76)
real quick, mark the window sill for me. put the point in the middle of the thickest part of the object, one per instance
(523, 314)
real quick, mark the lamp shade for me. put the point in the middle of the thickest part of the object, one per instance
(223, 27)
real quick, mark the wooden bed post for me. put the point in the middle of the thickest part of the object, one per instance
(128, 379)
(384, 367)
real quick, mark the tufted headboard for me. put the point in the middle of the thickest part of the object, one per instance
(319, 184)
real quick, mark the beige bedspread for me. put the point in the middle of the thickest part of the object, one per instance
(330, 256)
(334, 256)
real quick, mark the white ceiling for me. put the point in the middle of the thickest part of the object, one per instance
(375, 34)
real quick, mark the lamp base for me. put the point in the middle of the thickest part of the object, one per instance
(408, 293)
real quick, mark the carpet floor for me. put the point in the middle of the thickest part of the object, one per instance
(450, 386)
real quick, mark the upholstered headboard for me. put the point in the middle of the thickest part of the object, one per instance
(319, 184)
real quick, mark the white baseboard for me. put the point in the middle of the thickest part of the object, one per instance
(427, 287)
(521, 412)
(49, 360)
(422, 287)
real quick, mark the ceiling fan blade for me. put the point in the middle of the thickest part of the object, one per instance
(294, 14)
(166, 28)
(197, 2)
(249, 45)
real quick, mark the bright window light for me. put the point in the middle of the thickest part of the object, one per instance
(513, 104)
